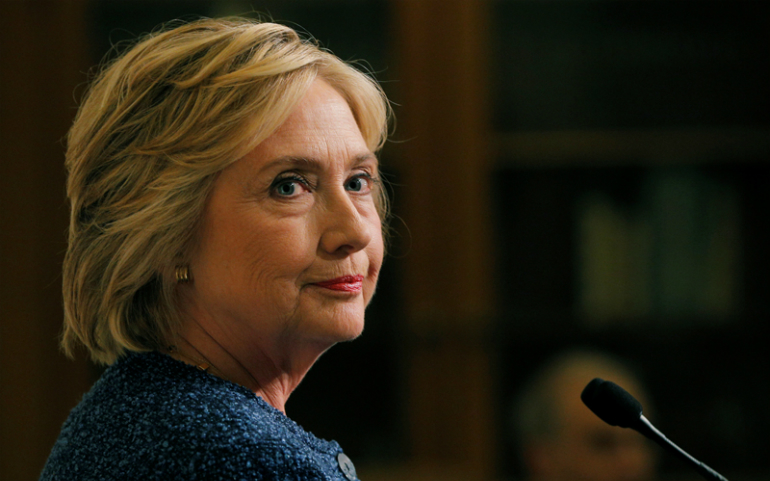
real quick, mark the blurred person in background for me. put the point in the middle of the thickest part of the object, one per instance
(226, 230)
(560, 439)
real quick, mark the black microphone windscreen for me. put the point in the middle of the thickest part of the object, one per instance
(611, 403)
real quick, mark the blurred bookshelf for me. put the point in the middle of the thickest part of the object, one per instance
(630, 185)
(650, 237)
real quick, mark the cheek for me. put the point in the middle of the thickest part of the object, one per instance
(378, 242)
(251, 249)
(375, 252)
(279, 250)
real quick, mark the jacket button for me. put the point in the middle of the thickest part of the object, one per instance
(346, 466)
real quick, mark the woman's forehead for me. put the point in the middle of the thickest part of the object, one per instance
(319, 129)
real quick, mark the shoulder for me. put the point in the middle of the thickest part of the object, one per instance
(150, 417)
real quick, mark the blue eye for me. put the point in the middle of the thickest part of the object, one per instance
(359, 183)
(286, 188)
(289, 186)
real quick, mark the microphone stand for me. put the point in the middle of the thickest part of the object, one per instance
(645, 427)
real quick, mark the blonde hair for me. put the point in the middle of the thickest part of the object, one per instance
(154, 129)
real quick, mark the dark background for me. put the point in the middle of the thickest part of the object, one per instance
(582, 98)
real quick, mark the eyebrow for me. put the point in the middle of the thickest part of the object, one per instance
(312, 163)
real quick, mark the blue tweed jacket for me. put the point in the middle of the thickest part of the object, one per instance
(151, 417)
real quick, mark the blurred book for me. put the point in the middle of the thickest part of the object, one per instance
(672, 257)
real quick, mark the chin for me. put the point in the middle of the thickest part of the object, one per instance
(350, 331)
(329, 324)
(345, 331)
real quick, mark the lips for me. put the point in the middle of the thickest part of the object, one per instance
(343, 284)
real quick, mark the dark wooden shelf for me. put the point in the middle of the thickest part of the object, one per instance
(640, 148)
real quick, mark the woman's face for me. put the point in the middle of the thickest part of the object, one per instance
(290, 244)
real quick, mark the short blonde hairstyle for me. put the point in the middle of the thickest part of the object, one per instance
(153, 131)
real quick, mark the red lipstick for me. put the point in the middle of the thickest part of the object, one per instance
(344, 283)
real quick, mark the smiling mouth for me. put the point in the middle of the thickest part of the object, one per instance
(343, 284)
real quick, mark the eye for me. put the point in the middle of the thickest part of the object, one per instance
(286, 188)
(361, 183)
(290, 186)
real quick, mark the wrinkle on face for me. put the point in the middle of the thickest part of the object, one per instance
(259, 254)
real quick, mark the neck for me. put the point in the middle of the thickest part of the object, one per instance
(264, 374)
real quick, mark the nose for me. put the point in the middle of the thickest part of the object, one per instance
(345, 229)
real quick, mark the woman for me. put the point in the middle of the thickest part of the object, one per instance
(225, 231)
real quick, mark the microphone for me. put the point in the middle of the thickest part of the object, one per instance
(615, 406)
